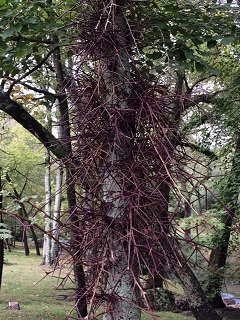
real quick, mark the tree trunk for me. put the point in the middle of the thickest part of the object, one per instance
(56, 213)
(25, 241)
(46, 260)
(218, 257)
(65, 137)
(120, 284)
(7, 244)
(25, 214)
(35, 240)
(1, 240)
(79, 274)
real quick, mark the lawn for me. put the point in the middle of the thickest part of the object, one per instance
(38, 299)
(21, 283)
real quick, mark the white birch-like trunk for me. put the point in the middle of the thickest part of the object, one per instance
(47, 219)
(56, 213)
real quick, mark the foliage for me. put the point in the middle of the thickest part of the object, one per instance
(4, 232)
(23, 161)
(29, 24)
(182, 33)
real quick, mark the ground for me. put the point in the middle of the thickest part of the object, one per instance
(25, 281)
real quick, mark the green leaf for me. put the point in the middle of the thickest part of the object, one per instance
(199, 66)
(160, 69)
(211, 43)
(17, 27)
(8, 32)
(155, 55)
(149, 63)
(2, 2)
(227, 40)
(214, 71)
(189, 54)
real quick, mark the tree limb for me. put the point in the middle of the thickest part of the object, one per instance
(17, 112)
(190, 89)
(20, 37)
(28, 86)
(205, 151)
(195, 99)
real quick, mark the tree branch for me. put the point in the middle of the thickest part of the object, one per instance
(28, 86)
(205, 98)
(205, 151)
(17, 112)
(20, 37)
(190, 89)
(31, 70)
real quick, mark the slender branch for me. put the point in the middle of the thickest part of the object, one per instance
(205, 151)
(195, 99)
(28, 86)
(37, 66)
(20, 37)
(190, 89)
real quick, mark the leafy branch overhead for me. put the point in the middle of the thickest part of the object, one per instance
(185, 34)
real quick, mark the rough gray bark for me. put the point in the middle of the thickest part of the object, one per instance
(120, 284)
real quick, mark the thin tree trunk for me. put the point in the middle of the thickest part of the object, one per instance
(25, 240)
(8, 245)
(35, 240)
(65, 137)
(79, 274)
(56, 213)
(25, 214)
(46, 260)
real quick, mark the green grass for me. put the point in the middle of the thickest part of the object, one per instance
(168, 316)
(38, 299)
(21, 283)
